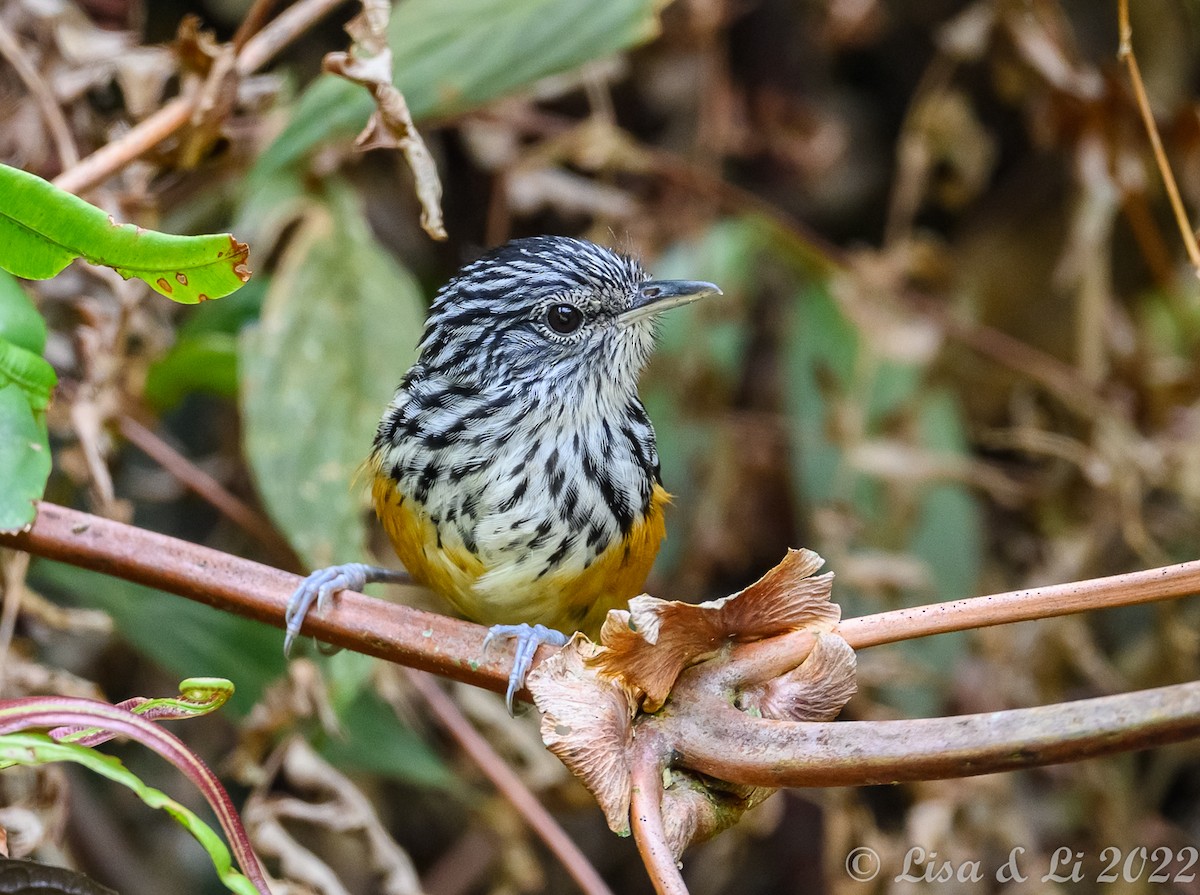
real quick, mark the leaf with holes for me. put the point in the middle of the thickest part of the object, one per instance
(43, 229)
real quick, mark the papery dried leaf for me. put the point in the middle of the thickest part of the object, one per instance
(785, 599)
(195, 46)
(587, 723)
(369, 64)
(368, 29)
(816, 690)
(647, 647)
(142, 74)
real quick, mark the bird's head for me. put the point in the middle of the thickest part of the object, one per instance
(549, 311)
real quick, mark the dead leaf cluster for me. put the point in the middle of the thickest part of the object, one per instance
(608, 710)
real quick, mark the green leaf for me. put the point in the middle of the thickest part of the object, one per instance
(451, 57)
(43, 229)
(229, 316)
(20, 321)
(338, 329)
(29, 373)
(24, 458)
(375, 742)
(32, 749)
(186, 638)
(203, 363)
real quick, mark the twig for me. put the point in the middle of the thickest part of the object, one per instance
(284, 28)
(253, 22)
(767, 659)
(1125, 54)
(210, 490)
(56, 122)
(13, 568)
(509, 784)
(1130, 589)
(646, 819)
(147, 134)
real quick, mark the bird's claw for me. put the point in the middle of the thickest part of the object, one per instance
(320, 587)
(528, 638)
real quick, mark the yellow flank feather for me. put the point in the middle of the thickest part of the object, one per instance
(568, 598)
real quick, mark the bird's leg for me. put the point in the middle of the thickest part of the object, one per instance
(528, 638)
(321, 585)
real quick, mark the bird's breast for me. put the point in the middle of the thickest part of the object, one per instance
(551, 526)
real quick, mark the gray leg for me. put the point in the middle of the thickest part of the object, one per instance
(528, 638)
(321, 585)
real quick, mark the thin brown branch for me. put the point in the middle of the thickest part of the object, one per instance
(767, 659)
(508, 784)
(409, 637)
(284, 28)
(718, 740)
(256, 16)
(144, 136)
(1130, 589)
(1125, 54)
(210, 490)
(646, 821)
(141, 138)
(1060, 379)
(712, 737)
(12, 575)
(56, 122)
(453, 648)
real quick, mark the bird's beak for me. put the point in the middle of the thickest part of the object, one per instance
(656, 296)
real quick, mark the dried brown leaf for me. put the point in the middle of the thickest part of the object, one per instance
(369, 64)
(587, 723)
(646, 647)
(325, 798)
(196, 47)
(815, 690)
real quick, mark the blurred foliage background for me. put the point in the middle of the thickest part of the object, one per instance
(957, 355)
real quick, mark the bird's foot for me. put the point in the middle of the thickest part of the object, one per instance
(321, 585)
(528, 638)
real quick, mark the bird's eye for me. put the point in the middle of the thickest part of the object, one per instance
(564, 318)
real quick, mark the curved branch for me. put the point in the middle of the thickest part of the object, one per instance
(406, 636)
(646, 819)
(718, 740)
(454, 648)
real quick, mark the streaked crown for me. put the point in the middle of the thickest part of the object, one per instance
(542, 310)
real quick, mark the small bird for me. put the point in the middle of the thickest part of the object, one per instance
(515, 470)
